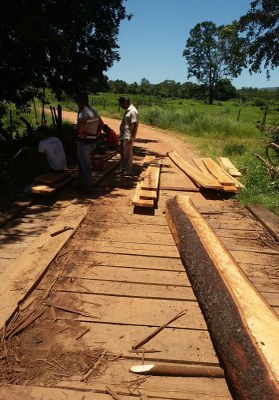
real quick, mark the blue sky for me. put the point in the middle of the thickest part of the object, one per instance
(152, 42)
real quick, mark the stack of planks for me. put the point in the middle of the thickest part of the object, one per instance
(208, 174)
(48, 183)
(146, 193)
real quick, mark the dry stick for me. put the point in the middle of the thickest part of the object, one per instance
(27, 322)
(57, 363)
(53, 313)
(50, 363)
(113, 394)
(66, 228)
(141, 350)
(60, 374)
(82, 334)
(71, 310)
(159, 329)
(85, 288)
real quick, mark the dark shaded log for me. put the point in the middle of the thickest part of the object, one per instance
(243, 327)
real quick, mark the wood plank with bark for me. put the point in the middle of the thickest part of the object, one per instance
(244, 328)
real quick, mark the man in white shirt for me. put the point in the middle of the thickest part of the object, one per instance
(51, 148)
(128, 132)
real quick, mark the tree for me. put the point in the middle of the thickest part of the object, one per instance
(261, 26)
(211, 54)
(224, 90)
(118, 86)
(65, 45)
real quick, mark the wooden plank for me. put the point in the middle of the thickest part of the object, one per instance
(132, 234)
(251, 327)
(92, 259)
(45, 189)
(268, 219)
(180, 189)
(171, 344)
(228, 166)
(137, 201)
(195, 174)
(33, 262)
(148, 194)
(105, 226)
(151, 178)
(130, 248)
(51, 178)
(130, 311)
(217, 172)
(147, 160)
(271, 297)
(128, 289)
(236, 182)
(199, 163)
(20, 392)
(255, 258)
(249, 246)
(136, 275)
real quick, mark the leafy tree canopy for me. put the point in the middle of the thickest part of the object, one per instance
(261, 25)
(213, 53)
(65, 45)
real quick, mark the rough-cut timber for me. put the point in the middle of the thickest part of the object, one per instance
(228, 166)
(244, 328)
(195, 174)
(269, 220)
(217, 172)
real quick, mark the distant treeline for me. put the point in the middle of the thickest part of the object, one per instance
(224, 90)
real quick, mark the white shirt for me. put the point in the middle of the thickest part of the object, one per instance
(54, 152)
(130, 117)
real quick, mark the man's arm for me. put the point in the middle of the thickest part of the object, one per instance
(134, 129)
(80, 128)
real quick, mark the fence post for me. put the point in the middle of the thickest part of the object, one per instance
(264, 118)
(238, 116)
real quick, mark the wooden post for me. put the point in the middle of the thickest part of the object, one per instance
(238, 116)
(35, 111)
(264, 118)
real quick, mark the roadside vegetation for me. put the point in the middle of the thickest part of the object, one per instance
(230, 129)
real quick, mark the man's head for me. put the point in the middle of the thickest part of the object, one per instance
(82, 100)
(43, 132)
(124, 102)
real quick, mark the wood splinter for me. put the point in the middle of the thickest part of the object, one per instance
(157, 330)
(66, 228)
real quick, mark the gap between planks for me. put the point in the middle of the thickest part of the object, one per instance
(94, 321)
